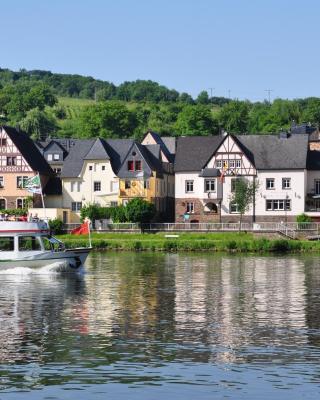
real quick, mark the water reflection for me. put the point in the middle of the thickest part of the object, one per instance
(163, 318)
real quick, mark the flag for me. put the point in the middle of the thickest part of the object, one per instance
(83, 229)
(222, 176)
(33, 185)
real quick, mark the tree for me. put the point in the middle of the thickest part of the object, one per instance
(234, 116)
(203, 98)
(139, 210)
(107, 119)
(243, 195)
(311, 112)
(38, 124)
(196, 120)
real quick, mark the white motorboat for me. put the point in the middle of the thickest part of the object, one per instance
(29, 244)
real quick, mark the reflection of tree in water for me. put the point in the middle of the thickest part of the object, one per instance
(31, 314)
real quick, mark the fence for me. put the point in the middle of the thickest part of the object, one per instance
(290, 229)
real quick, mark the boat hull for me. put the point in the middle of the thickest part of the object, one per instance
(69, 260)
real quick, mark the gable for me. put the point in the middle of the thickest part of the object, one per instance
(231, 158)
(134, 155)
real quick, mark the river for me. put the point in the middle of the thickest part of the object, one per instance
(152, 326)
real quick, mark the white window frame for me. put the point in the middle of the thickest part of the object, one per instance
(187, 183)
(98, 185)
(278, 205)
(211, 183)
(284, 185)
(50, 157)
(76, 206)
(190, 207)
(232, 163)
(233, 208)
(23, 202)
(238, 163)
(269, 180)
(56, 157)
(218, 164)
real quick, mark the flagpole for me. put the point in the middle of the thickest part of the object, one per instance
(88, 222)
(43, 206)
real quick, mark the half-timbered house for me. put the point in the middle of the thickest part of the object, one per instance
(206, 170)
(19, 160)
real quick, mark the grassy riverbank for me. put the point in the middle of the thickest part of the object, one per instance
(227, 242)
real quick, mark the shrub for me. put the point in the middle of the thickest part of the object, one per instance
(280, 246)
(231, 245)
(56, 226)
(303, 218)
(139, 210)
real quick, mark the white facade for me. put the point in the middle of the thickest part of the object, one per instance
(96, 183)
(281, 194)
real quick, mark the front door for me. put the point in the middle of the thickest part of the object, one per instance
(64, 217)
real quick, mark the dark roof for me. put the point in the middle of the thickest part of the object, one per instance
(29, 151)
(141, 153)
(53, 187)
(170, 143)
(117, 150)
(193, 152)
(97, 151)
(163, 145)
(74, 161)
(209, 172)
(264, 151)
(272, 152)
(304, 128)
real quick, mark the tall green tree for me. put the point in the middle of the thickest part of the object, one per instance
(107, 120)
(203, 98)
(38, 124)
(196, 120)
(234, 116)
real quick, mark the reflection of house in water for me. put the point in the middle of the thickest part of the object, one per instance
(228, 303)
(32, 313)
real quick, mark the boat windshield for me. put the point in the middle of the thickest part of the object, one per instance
(53, 244)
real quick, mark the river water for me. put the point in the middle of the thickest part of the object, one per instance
(163, 326)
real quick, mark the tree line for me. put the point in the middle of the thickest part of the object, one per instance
(34, 106)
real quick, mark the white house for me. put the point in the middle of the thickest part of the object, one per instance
(206, 169)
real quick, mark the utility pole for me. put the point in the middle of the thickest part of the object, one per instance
(229, 93)
(269, 94)
(211, 91)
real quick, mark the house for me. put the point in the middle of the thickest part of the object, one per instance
(20, 159)
(206, 169)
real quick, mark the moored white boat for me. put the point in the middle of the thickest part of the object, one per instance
(30, 245)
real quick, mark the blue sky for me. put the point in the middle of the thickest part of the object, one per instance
(245, 46)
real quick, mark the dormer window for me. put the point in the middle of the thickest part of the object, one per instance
(56, 157)
(219, 164)
(50, 157)
(138, 165)
(130, 166)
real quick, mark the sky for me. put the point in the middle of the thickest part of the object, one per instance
(231, 48)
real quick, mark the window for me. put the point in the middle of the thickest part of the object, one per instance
(90, 167)
(210, 185)
(219, 164)
(49, 157)
(3, 142)
(190, 208)
(130, 166)
(238, 163)
(73, 186)
(29, 243)
(21, 181)
(286, 183)
(103, 167)
(146, 184)
(138, 165)
(1, 182)
(233, 184)
(189, 186)
(125, 202)
(270, 183)
(234, 208)
(11, 161)
(114, 204)
(317, 186)
(6, 243)
(22, 203)
(79, 186)
(97, 186)
(225, 164)
(232, 163)
(3, 204)
(127, 184)
(56, 157)
(278, 205)
(76, 206)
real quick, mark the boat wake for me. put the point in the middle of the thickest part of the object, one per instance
(55, 268)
